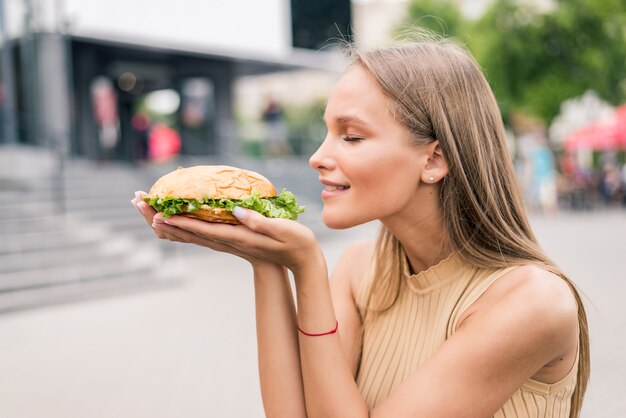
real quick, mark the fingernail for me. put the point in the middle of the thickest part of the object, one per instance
(138, 195)
(141, 205)
(133, 202)
(240, 213)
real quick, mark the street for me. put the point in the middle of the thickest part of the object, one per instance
(189, 349)
(591, 248)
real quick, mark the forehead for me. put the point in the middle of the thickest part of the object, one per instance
(356, 93)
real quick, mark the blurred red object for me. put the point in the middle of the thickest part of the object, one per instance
(605, 135)
(140, 121)
(164, 142)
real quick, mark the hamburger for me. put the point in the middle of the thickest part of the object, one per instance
(211, 192)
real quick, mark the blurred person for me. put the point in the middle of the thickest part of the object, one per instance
(523, 165)
(623, 173)
(453, 310)
(275, 130)
(140, 123)
(573, 182)
(545, 176)
(610, 184)
(105, 114)
(538, 176)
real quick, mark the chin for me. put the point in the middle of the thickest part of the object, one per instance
(335, 221)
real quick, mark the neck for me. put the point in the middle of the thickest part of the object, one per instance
(424, 238)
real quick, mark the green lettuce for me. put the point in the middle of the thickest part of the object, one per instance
(283, 205)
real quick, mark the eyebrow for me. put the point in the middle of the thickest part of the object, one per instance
(346, 119)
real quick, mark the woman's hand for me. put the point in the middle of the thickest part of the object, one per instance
(172, 233)
(258, 240)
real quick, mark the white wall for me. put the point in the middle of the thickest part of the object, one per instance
(235, 26)
(375, 20)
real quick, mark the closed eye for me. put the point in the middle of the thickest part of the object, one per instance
(351, 139)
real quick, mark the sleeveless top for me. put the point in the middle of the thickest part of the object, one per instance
(425, 315)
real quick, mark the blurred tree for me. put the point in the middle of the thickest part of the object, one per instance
(535, 59)
(442, 17)
(539, 59)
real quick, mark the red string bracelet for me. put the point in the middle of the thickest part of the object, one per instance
(308, 334)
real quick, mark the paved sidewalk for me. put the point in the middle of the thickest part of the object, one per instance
(190, 350)
(592, 249)
(187, 350)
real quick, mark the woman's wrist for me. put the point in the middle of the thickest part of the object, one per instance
(313, 263)
(263, 267)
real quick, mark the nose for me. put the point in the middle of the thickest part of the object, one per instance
(321, 159)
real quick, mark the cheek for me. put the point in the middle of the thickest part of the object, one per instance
(393, 183)
(378, 189)
(368, 200)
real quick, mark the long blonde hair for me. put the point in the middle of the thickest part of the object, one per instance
(438, 92)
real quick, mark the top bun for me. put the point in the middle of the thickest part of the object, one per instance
(212, 181)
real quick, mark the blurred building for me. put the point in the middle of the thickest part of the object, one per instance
(87, 78)
(376, 20)
(121, 81)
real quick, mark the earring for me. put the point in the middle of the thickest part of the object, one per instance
(431, 179)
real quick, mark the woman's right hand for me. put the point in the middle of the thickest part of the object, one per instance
(175, 234)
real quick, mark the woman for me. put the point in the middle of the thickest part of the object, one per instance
(454, 311)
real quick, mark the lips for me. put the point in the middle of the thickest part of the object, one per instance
(327, 182)
(332, 189)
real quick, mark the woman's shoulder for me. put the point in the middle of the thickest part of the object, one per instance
(537, 286)
(359, 248)
(358, 256)
(354, 264)
(531, 287)
(530, 294)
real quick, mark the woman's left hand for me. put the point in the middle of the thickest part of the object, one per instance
(279, 241)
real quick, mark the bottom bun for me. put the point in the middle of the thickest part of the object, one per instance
(213, 215)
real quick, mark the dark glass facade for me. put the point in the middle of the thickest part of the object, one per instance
(321, 23)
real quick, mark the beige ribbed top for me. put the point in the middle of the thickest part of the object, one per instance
(426, 313)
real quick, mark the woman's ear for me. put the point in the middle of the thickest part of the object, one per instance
(436, 166)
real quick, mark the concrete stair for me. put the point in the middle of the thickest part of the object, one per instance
(78, 236)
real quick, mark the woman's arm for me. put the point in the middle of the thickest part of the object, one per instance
(278, 354)
(279, 357)
(346, 280)
(330, 388)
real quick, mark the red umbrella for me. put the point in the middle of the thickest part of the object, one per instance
(604, 135)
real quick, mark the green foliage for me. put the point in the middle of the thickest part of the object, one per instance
(283, 205)
(535, 59)
(442, 17)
